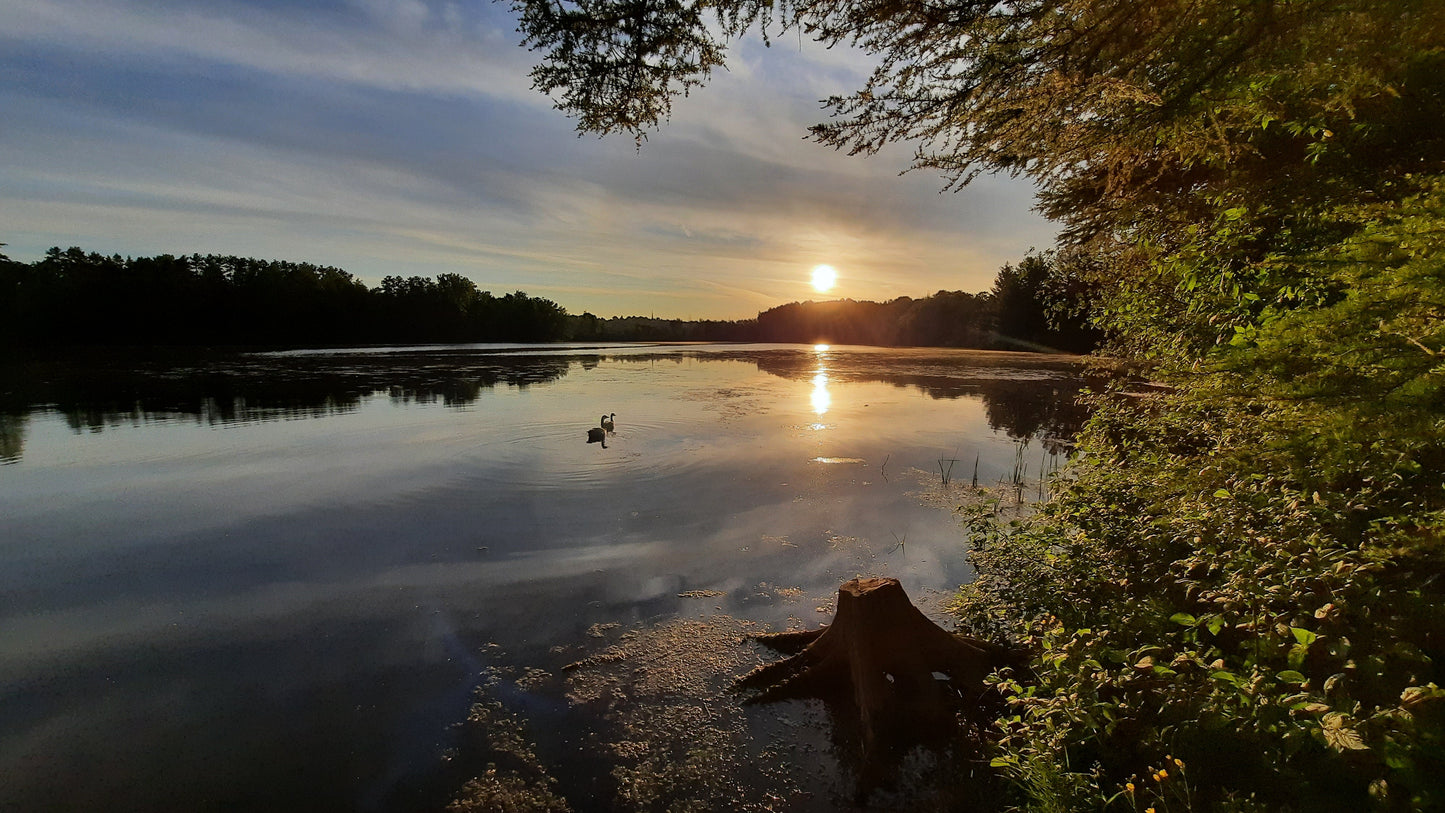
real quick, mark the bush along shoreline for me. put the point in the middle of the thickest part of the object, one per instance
(1234, 597)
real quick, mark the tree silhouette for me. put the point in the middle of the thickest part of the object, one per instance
(75, 298)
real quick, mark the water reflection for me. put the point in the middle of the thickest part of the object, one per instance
(94, 395)
(12, 436)
(333, 582)
(820, 398)
(1024, 396)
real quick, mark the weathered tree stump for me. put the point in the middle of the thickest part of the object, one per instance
(898, 668)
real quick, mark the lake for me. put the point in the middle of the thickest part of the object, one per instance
(277, 581)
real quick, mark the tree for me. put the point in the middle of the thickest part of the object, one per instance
(72, 297)
(1037, 306)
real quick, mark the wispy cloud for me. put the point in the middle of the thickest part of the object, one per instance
(396, 136)
(389, 44)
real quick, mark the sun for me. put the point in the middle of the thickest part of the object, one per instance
(823, 278)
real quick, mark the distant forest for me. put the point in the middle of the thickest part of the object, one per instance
(72, 298)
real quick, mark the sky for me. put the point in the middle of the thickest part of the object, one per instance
(403, 137)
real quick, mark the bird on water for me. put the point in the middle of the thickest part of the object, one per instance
(598, 434)
(607, 422)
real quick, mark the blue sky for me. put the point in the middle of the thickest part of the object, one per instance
(402, 137)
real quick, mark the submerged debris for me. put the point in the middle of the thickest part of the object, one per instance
(514, 781)
(654, 723)
(678, 739)
(507, 792)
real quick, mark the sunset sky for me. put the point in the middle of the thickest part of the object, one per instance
(402, 137)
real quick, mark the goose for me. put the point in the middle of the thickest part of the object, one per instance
(598, 434)
(607, 422)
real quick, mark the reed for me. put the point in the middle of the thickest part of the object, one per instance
(946, 473)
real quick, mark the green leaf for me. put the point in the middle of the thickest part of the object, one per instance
(1183, 619)
(1303, 636)
(1215, 624)
(1222, 494)
(1291, 676)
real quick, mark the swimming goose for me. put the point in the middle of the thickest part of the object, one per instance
(598, 434)
(607, 422)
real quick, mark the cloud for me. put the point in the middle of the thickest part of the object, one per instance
(400, 137)
(400, 45)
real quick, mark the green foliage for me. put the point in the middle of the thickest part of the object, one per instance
(1195, 592)
(1374, 346)
(1037, 304)
(617, 64)
(1244, 570)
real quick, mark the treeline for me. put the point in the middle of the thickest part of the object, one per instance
(75, 298)
(588, 327)
(1028, 309)
(1033, 306)
(72, 298)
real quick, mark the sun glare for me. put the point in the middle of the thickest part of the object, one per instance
(821, 399)
(823, 278)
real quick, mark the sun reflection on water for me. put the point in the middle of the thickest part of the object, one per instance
(821, 399)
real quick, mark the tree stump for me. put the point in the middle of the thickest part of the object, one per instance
(898, 668)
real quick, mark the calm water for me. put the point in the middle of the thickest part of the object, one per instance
(272, 581)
